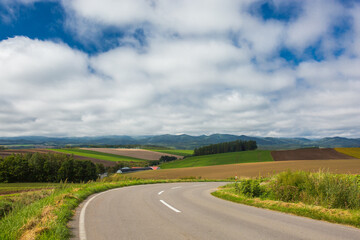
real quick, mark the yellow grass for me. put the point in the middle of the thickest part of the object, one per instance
(354, 152)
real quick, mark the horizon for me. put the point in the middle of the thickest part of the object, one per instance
(269, 68)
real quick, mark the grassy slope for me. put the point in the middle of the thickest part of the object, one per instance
(98, 155)
(354, 152)
(220, 159)
(180, 152)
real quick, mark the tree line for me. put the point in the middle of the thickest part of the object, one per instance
(36, 167)
(235, 146)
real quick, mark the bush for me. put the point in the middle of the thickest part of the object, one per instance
(250, 187)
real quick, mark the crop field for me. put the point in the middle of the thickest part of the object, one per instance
(346, 166)
(354, 152)
(132, 153)
(180, 152)
(98, 155)
(308, 154)
(8, 152)
(220, 159)
(11, 188)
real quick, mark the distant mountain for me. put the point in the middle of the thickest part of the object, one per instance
(177, 141)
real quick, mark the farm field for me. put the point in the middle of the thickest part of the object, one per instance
(354, 152)
(132, 153)
(346, 166)
(308, 154)
(180, 152)
(8, 152)
(11, 188)
(220, 159)
(98, 155)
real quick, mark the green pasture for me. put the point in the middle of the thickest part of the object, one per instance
(220, 159)
(98, 155)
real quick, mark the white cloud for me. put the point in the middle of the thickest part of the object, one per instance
(220, 72)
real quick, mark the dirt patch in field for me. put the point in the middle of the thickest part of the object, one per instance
(8, 152)
(308, 154)
(351, 166)
(135, 153)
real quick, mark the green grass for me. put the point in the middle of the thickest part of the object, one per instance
(323, 195)
(99, 155)
(220, 159)
(180, 152)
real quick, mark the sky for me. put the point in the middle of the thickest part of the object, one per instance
(145, 67)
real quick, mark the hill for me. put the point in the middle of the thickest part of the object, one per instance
(220, 159)
(176, 141)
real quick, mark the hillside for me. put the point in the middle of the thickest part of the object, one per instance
(220, 159)
(176, 141)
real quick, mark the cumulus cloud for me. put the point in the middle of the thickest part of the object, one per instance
(207, 67)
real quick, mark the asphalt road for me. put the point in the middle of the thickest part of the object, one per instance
(189, 211)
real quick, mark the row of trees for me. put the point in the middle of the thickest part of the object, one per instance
(36, 167)
(235, 146)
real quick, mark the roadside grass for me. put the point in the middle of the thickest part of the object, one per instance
(98, 155)
(353, 152)
(47, 218)
(180, 152)
(324, 196)
(220, 159)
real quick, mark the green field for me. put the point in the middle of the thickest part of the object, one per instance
(220, 159)
(180, 152)
(99, 155)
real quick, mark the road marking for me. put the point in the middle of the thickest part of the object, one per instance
(82, 232)
(175, 187)
(159, 193)
(169, 206)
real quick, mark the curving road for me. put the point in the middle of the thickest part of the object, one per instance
(189, 211)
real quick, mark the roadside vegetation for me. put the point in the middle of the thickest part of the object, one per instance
(322, 195)
(47, 215)
(220, 159)
(354, 152)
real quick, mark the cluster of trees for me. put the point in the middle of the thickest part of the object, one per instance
(235, 146)
(164, 159)
(36, 167)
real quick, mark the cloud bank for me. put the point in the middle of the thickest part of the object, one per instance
(188, 67)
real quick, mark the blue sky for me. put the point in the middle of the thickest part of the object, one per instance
(134, 67)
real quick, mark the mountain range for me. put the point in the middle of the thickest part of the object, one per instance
(183, 141)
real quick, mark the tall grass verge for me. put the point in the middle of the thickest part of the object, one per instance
(322, 195)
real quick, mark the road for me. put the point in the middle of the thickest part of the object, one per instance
(189, 211)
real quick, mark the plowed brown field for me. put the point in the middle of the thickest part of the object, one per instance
(351, 166)
(308, 154)
(5, 153)
(136, 153)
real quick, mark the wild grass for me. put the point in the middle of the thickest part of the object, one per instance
(322, 195)
(220, 159)
(9, 188)
(98, 155)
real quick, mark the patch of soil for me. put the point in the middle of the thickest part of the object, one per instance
(135, 153)
(308, 154)
(8, 152)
